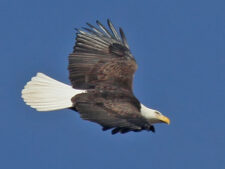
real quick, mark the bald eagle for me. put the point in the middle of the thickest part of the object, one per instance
(101, 70)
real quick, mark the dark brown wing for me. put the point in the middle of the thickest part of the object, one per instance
(101, 58)
(116, 110)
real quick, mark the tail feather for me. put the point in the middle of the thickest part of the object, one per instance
(46, 94)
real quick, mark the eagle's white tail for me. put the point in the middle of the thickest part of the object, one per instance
(46, 94)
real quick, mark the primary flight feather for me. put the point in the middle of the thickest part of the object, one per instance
(101, 70)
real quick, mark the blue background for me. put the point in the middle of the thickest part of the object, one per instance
(180, 48)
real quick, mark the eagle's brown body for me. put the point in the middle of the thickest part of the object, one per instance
(101, 70)
(111, 110)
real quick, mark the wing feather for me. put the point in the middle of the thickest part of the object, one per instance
(124, 40)
(107, 33)
(113, 30)
(96, 30)
(101, 58)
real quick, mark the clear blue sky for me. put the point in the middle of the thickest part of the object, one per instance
(180, 48)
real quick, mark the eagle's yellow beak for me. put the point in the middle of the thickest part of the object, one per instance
(164, 119)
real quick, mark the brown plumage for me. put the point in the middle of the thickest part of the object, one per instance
(101, 70)
(100, 60)
(103, 64)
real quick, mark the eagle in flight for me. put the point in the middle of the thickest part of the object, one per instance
(101, 70)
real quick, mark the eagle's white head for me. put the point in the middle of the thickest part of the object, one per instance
(153, 116)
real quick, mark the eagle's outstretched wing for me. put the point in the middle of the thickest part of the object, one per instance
(101, 59)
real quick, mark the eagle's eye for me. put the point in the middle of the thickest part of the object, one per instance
(158, 113)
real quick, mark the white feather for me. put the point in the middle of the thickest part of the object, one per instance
(46, 94)
(147, 112)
